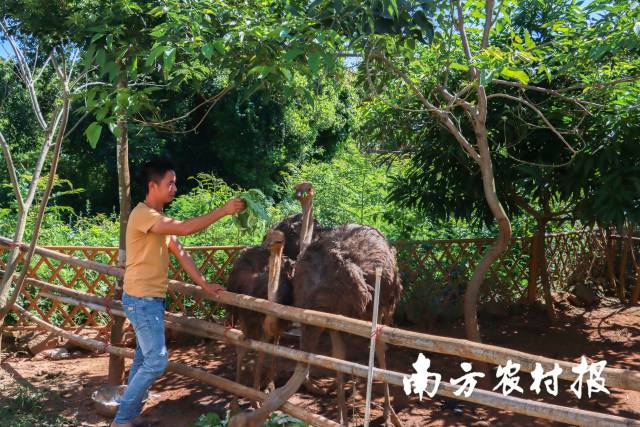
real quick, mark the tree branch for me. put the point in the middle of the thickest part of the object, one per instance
(441, 115)
(211, 100)
(26, 75)
(49, 134)
(12, 171)
(377, 94)
(546, 91)
(600, 85)
(488, 22)
(44, 66)
(463, 33)
(80, 120)
(542, 116)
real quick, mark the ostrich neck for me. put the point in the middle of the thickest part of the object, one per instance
(275, 261)
(306, 229)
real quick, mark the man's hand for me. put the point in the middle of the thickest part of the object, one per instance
(233, 206)
(213, 289)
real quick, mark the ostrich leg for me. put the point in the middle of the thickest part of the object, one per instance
(337, 346)
(389, 413)
(240, 353)
(272, 369)
(257, 375)
(309, 337)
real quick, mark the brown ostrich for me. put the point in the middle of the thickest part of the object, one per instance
(262, 272)
(335, 274)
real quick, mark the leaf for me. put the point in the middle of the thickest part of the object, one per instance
(458, 66)
(102, 113)
(486, 76)
(219, 45)
(155, 52)
(253, 89)
(512, 73)
(292, 54)
(255, 210)
(262, 70)
(96, 37)
(207, 50)
(286, 73)
(314, 61)
(93, 134)
(114, 129)
(169, 59)
(101, 57)
(546, 71)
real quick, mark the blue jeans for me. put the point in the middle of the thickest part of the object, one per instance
(147, 317)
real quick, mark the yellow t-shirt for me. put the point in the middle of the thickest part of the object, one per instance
(147, 264)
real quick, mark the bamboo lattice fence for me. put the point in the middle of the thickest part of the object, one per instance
(433, 272)
(620, 378)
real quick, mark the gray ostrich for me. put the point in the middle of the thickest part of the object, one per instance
(334, 274)
(262, 272)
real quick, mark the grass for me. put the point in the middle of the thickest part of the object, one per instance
(24, 408)
(275, 420)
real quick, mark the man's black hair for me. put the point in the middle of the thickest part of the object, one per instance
(154, 170)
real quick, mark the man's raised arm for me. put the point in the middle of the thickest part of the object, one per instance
(176, 227)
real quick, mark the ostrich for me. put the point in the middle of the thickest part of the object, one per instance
(262, 272)
(333, 274)
(255, 273)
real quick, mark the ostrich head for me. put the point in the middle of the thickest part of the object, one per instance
(274, 241)
(304, 192)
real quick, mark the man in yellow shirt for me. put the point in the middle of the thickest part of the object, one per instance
(150, 237)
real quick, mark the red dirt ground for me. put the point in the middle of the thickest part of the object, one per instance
(610, 332)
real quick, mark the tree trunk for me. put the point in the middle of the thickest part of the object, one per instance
(23, 205)
(532, 286)
(12, 259)
(624, 259)
(635, 294)
(116, 363)
(504, 225)
(544, 269)
(6, 304)
(610, 254)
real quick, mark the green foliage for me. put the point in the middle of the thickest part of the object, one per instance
(562, 45)
(255, 211)
(275, 420)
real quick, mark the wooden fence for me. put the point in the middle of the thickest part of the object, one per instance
(617, 378)
(434, 274)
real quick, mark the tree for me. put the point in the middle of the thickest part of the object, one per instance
(53, 127)
(479, 57)
(532, 175)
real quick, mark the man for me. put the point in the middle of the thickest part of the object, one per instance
(150, 237)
